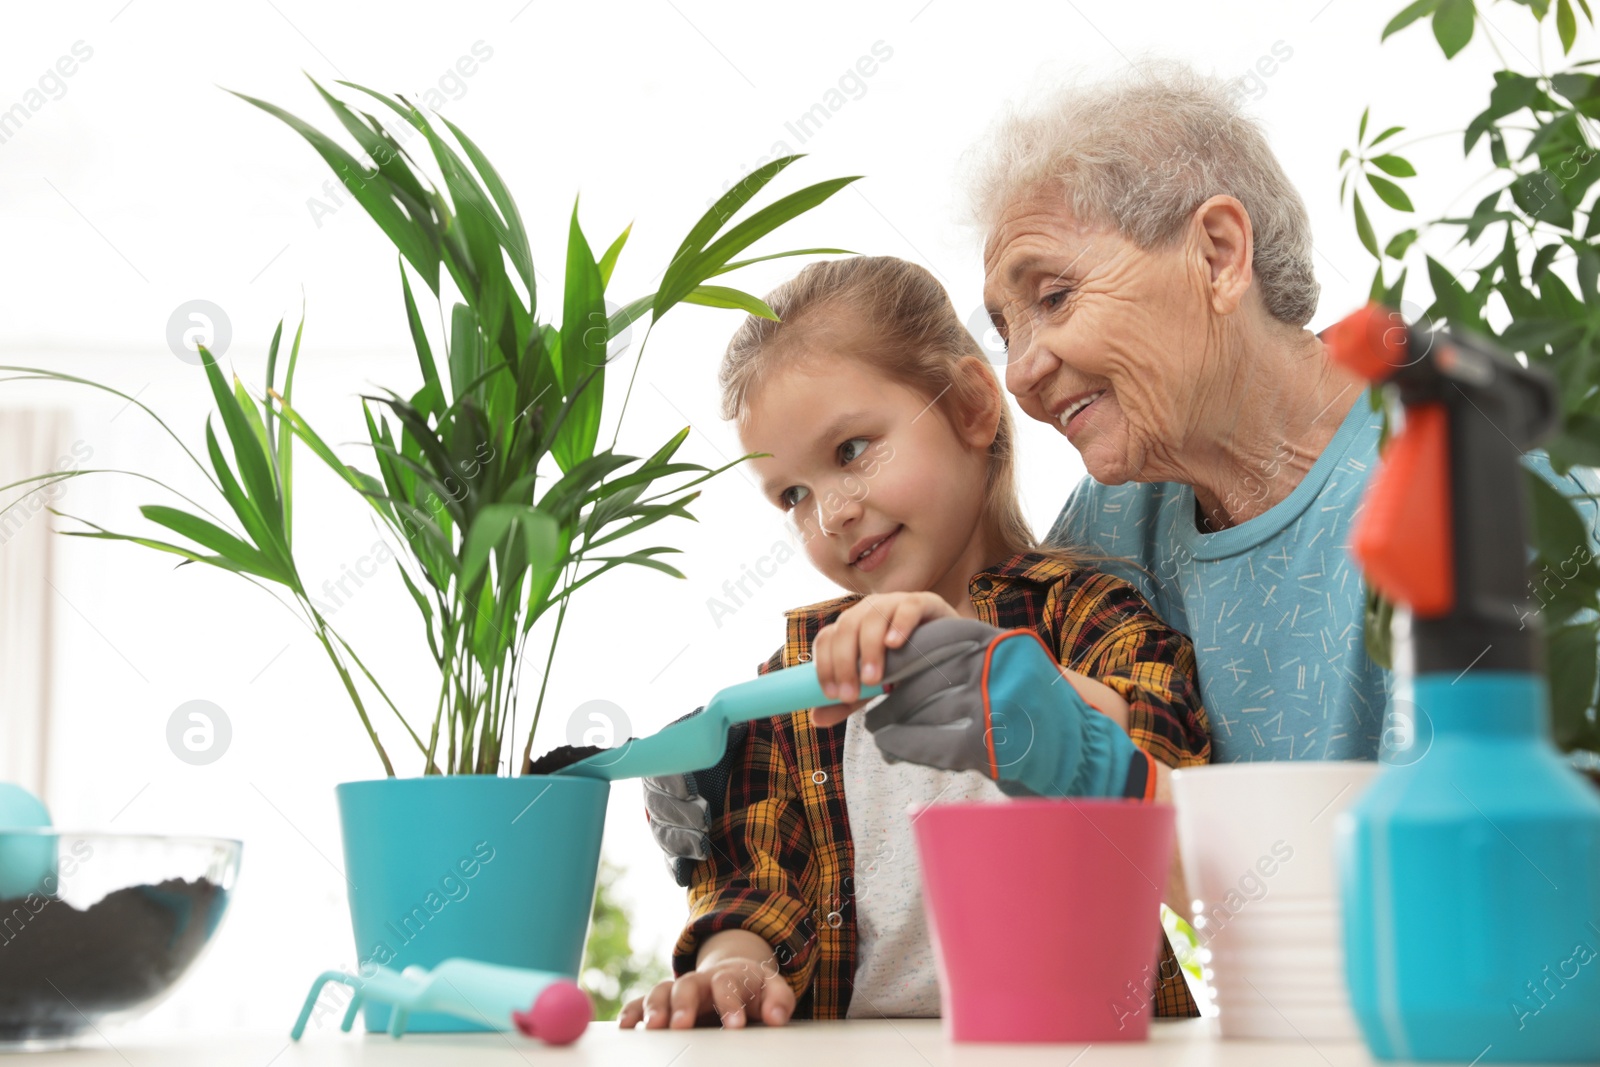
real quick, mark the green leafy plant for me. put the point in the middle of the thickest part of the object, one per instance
(490, 474)
(613, 972)
(1540, 223)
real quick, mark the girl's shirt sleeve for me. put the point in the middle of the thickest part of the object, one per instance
(1106, 630)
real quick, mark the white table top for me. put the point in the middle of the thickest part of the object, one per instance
(878, 1043)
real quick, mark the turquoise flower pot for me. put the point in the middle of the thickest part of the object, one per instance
(477, 866)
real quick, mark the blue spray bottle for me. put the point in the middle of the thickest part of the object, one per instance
(1470, 868)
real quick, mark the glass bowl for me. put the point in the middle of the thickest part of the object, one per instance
(97, 928)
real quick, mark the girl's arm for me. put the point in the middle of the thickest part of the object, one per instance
(1104, 630)
(1099, 696)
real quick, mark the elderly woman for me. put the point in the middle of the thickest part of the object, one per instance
(1150, 268)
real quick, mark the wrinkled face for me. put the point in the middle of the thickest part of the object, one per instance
(879, 486)
(1104, 339)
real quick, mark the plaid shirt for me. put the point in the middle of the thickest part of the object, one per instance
(782, 862)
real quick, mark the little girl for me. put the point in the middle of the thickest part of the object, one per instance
(891, 450)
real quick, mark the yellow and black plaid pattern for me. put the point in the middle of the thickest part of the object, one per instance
(782, 861)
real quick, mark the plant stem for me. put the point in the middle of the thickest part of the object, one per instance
(538, 707)
(637, 360)
(379, 688)
(350, 687)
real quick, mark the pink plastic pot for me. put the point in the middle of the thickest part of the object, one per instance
(1046, 916)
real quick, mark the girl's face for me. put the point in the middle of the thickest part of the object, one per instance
(884, 492)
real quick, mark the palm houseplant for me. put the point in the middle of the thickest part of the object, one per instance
(1529, 284)
(493, 479)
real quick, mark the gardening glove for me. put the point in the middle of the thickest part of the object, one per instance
(969, 696)
(679, 807)
(678, 817)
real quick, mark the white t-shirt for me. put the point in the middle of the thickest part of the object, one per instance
(896, 976)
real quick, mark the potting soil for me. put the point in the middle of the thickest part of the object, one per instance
(60, 966)
(564, 756)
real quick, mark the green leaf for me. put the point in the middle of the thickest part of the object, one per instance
(1400, 243)
(1361, 131)
(1390, 193)
(1369, 241)
(575, 484)
(1570, 659)
(419, 337)
(684, 275)
(1559, 531)
(1379, 616)
(1483, 216)
(285, 446)
(1385, 135)
(244, 509)
(1577, 444)
(1452, 25)
(1511, 93)
(1541, 262)
(491, 528)
(1576, 87)
(1497, 150)
(727, 205)
(1566, 25)
(720, 296)
(609, 261)
(272, 370)
(1452, 301)
(514, 235)
(247, 407)
(371, 193)
(1344, 157)
(389, 163)
(1411, 13)
(642, 560)
(466, 351)
(1538, 194)
(629, 314)
(254, 471)
(584, 333)
(102, 534)
(1394, 165)
(1587, 270)
(209, 535)
(1396, 291)
(736, 264)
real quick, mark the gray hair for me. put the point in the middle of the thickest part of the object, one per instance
(1139, 153)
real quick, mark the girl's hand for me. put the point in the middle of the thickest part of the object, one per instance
(860, 635)
(730, 990)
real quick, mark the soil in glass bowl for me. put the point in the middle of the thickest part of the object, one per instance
(60, 965)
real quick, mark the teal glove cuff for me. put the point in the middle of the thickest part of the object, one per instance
(964, 695)
(1045, 737)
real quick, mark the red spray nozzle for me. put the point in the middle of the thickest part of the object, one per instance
(1371, 342)
(1402, 536)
